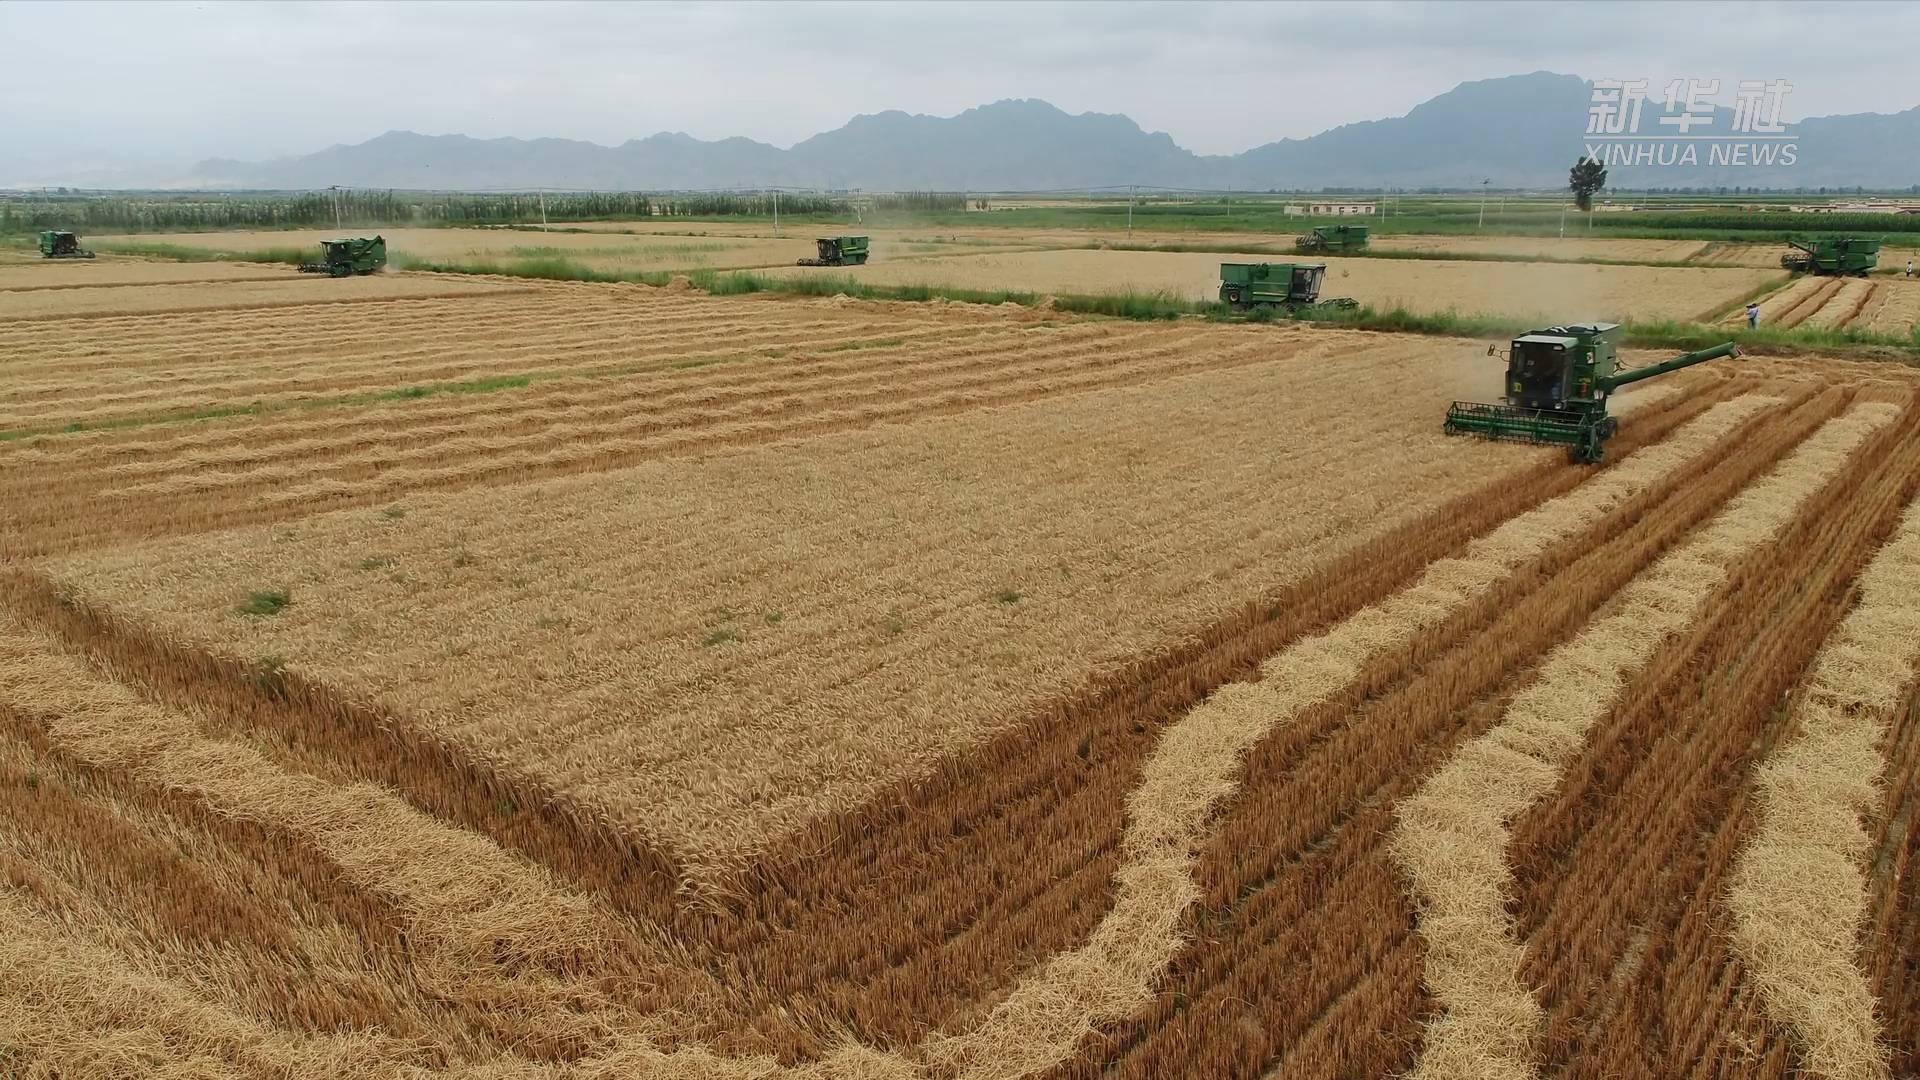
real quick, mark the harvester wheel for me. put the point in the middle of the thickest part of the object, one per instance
(1609, 428)
(1589, 450)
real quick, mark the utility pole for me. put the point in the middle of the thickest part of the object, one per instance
(776, 211)
(337, 227)
(1129, 211)
(1483, 201)
(1563, 221)
(543, 209)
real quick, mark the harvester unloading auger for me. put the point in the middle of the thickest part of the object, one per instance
(1558, 382)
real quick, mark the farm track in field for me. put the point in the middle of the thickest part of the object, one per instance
(1621, 873)
(1299, 881)
(577, 438)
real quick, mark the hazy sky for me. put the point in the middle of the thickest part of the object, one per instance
(193, 80)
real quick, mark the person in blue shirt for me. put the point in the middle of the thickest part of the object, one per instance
(1753, 316)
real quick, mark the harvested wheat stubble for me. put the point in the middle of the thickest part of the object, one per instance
(1799, 894)
(131, 396)
(1297, 879)
(1895, 309)
(1730, 253)
(93, 273)
(511, 952)
(1195, 765)
(1452, 835)
(646, 1063)
(122, 300)
(1789, 300)
(1844, 306)
(1042, 806)
(1621, 874)
(554, 435)
(798, 624)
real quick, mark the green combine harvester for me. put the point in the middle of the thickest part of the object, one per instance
(1332, 239)
(1558, 382)
(838, 251)
(62, 245)
(1292, 286)
(340, 258)
(1833, 256)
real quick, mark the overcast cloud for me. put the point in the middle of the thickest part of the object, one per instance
(193, 80)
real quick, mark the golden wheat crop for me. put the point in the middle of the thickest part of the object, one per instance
(1451, 835)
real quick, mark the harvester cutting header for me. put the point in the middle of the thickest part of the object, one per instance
(1558, 382)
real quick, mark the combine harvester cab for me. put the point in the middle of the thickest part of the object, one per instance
(1833, 256)
(1557, 385)
(1294, 287)
(1333, 239)
(838, 251)
(62, 245)
(359, 255)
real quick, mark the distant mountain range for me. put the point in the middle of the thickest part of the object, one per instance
(1518, 131)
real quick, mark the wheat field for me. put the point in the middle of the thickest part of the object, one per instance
(577, 681)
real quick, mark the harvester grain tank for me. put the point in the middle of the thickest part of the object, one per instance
(1292, 286)
(838, 251)
(1558, 383)
(358, 255)
(1833, 256)
(1332, 239)
(62, 245)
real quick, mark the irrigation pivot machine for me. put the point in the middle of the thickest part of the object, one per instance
(1558, 382)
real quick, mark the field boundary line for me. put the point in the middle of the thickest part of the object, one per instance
(1452, 835)
(1195, 766)
(1798, 892)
